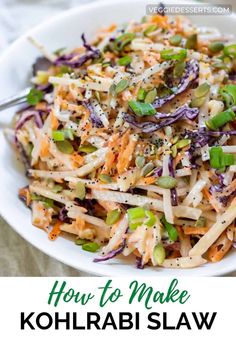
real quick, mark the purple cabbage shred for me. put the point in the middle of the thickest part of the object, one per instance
(139, 263)
(111, 254)
(27, 115)
(72, 59)
(96, 121)
(189, 78)
(184, 112)
(173, 192)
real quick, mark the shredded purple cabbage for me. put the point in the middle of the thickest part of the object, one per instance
(218, 187)
(189, 78)
(63, 214)
(225, 199)
(184, 112)
(72, 59)
(41, 64)
(47, 88)
(157, 172)
(96, 121)
(173, 192)
(111, 254)
(27, 115)
(139, 263)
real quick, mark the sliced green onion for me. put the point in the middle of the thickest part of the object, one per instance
(220, 119)
(202, 90)
(136, 217)
(228, 160)
(139, 161)
(147, 169)
(65, 146)
(142, 108)
(87, 148)
(80, 242)
(57, 188)
(61, 135)
(169, 54)
(151, 95)
(228, 93)
(126, 60)
(230, 50)
(179, 69)
(215, 156)
(166, 182)
(113, 216)
(121, 86)
(151, 219)
(105, 178)
(216, 47)
(34, 96)
(159, 254)
(191, 42)
(150, 29)
(219, 159)
(122, 41)
(135, 213)
(171, 230)
(141, 94)
(80, 190)
(183, 143)
(90, 247)
(175, 40)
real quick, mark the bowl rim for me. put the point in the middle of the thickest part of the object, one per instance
(50, 251)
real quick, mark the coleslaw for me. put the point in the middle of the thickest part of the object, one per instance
(129, 143)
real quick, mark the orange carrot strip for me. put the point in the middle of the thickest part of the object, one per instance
(53, 234)
(188, 230)
(211, 199)
(219, 249)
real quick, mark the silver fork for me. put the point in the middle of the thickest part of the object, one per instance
(11, 101)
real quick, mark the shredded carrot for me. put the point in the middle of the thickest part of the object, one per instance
(54, 233)
(161, 21)
(177, 159)
(54, 121)
(125, 156)
(188, 230)
(80, 224)
(219, 249)
(41, 106)
(111, 154)
(45, 145)
(77, 159)
(147, 180)
(211, 199)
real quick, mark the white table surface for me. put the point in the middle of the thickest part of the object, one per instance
(17, 256)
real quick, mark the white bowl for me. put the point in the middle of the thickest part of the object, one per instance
(15, 67)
